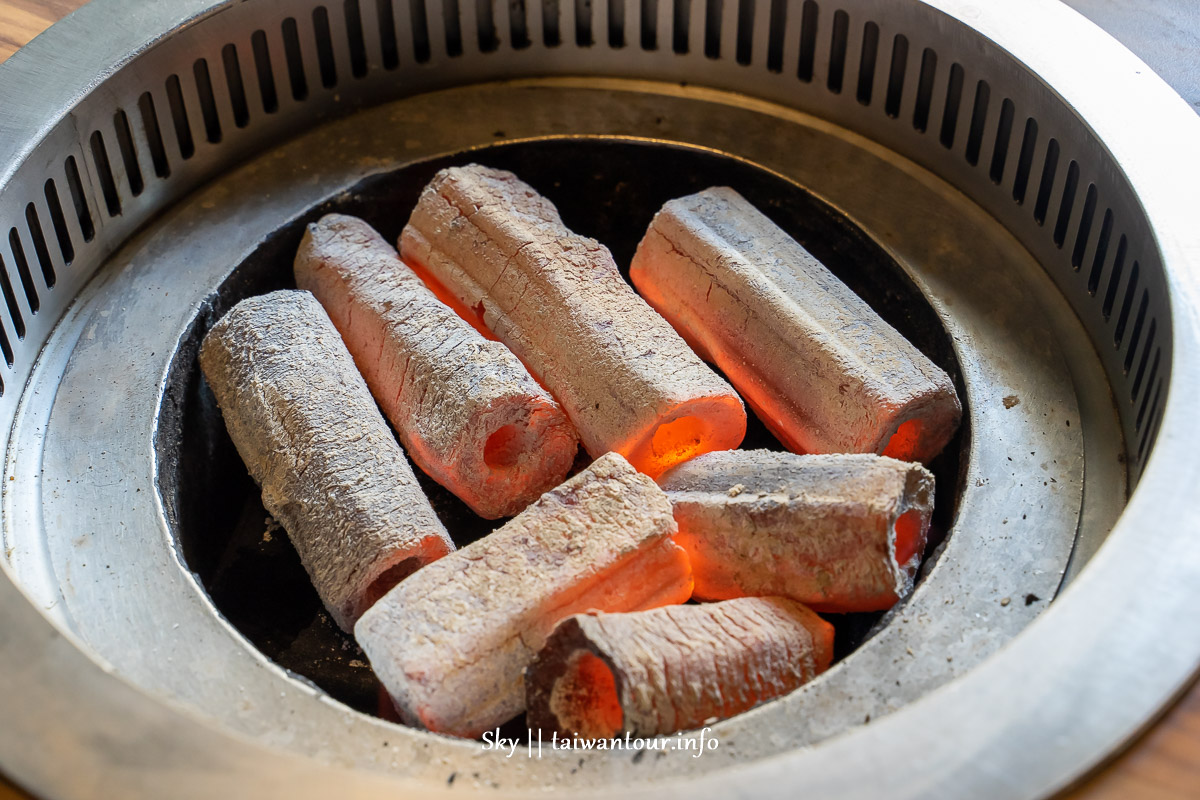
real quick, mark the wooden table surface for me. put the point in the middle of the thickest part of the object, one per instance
(1164, 764)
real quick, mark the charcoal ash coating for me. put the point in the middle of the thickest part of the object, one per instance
(626, 379)
(450, 644)
(310, 435)
(468, 412)
(822, 369)
(673, 668)
(840, 533)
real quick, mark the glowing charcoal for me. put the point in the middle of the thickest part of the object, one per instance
(836, 532)
(674, 668)
(626, 379)
(816, 363)
(330, 470)
(451, 642)
(466, 409)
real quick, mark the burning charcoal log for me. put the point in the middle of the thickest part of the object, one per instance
(837, 532)
(311, 436)
(820, 368)
(626, 379)
(674, 668)
(450, 643)
(466, 409)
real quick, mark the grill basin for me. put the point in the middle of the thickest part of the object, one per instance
(1066, 280)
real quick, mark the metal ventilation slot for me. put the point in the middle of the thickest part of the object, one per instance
(59, 221)
(809, 17)
(420, 30)
(450, 25)
(38, 237)
(108, 184)
(1150, 432)
(1101, 252)
(1085, 226)
(978, 121)
(866, 63)
(953, 101)
(776, 28)
(22, 265)
(1126, 306)
(1150, 382)
(1114, 279)
(154, 140)
(388, 46)
(79, 199)
(10, 300)
(616, 24)
(583, 23)
(485, 26)
(294, 60)
(326, 62)
(1136, 335)
(895, 87)
(179, 118)
(355, 38)
(925, 90)
(6, 347)
(1145, 359)
(264, 71)
(837, 51)
(1049, 169)
(1067, 205)
(1003, 139)
(681, 20)
(1025, 161)
(235, 85)
(133, 170)
(745, 32)
(208, 103)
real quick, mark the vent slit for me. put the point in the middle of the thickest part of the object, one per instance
(1151, 430)
(1114, 279)
(356, 40)
(266, 74)
(485, 27)
(420, 30)
(895, 88)
(133, 170)
(712, 28)
(8, 354)
(154, 140)
(1049, 168)
(388, 46)
(1067, 205)
(518, 27)
(1136, 335)
(775, 30)
(294, 59)
(1137, 425)
(1145, 359)
(681, 19)
(745, 32)
(326, 61)
(1085, 227)
(1126, 306)
(79, 200)
(953, 101)
(108, 184)
(837, 51)
(10, 300)
(208, 103)
(808, 41)
(616, 23)
(1025, 160)
(583, 23)
(551, 34)
(1101, 252)
(22, 265)
(925, 90)
(59, 221)
(452, 28)
(179, 118)
(866, 63)
(983, 93)
(1003, 136)
(237, 89)
(38, 237)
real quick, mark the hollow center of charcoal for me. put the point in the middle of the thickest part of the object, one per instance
(584, 699)
(608, 190)
(503, 448)
(903, 443)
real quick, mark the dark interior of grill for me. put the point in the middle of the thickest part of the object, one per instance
(605, 189)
